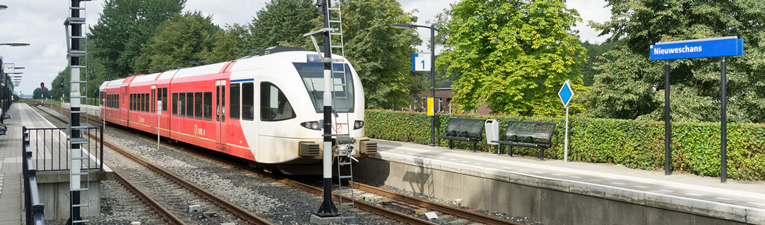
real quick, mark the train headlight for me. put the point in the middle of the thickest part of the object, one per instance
(358, 124)
(313, 125)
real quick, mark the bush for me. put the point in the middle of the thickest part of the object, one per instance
(634, 144)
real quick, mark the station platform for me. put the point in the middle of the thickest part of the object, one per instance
(53, 181)
(556, 192)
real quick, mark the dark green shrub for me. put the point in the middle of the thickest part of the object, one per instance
(634, 144)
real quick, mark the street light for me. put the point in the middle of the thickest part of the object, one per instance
(15, 44)
(3, 7)
(432, 72)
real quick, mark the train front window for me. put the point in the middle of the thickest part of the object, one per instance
(312, 75)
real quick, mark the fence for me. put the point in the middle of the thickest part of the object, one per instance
(50, 148)
(34, 210)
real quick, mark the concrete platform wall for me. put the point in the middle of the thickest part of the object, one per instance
(541, 200)
(55, 194)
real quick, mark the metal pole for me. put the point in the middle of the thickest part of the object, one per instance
(74, 115)
(565, 149)
(723, 125)
(667, 123)
(158, 125)
(433, 85)
(327, 208)
(103, 104)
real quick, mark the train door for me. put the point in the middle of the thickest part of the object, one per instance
(123, 118)
(152, 106)
(220, 114)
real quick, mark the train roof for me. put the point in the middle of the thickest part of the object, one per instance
(113, 84)
(200, 70)
(145, 78)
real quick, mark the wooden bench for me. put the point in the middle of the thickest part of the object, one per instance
(528, 134)
(463, 129)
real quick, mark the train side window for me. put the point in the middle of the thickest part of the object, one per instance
(147, 101)
(234, 98)
(248, 105)
(136, 104)
(208, 105)
(181, 104)
(164, 99)
(140, 103)
(198, 105)
(274, 106)
(175, 107)
(118, 101)
(130, 102)
(190, 105)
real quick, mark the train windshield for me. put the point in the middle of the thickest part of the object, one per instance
(342, 85)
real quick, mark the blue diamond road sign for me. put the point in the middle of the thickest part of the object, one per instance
(565, 94)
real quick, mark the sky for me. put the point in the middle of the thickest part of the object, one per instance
(40, 23)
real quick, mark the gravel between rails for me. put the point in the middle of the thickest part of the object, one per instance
(266, 198)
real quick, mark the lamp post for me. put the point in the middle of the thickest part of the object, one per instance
(15, 44)
(6, 96)
(432, 72)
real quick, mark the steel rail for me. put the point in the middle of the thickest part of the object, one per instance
(226, 205)
(477, 217)
(168, 216)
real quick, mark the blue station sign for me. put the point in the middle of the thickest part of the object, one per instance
(698, 48)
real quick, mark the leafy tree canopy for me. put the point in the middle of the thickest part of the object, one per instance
(185, 38)
(513, 55)
(632, 87)
(381, 54)
(124, 27)
(282, 23)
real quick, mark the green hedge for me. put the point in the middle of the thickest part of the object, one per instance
(635, 144)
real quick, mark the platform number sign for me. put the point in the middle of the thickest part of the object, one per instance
(421, 61)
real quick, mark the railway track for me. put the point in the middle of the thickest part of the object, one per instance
(391, 210)
(175, 193)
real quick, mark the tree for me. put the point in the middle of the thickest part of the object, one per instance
(229, 44)
(124, 27)
(630, 86)
(513, 55)
(593, 51)
(283, 23)
(185, 38)
(39, 93)
(381, 54)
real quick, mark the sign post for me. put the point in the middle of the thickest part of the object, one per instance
(566, 94)
(698, 48)
(159, 113)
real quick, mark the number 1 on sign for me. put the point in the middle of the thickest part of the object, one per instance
(423, 59)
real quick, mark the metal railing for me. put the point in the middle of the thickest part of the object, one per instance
(50, 147)
(33, 208)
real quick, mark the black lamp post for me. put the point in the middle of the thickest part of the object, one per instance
(432, 73)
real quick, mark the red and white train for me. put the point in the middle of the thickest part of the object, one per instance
(266, 109)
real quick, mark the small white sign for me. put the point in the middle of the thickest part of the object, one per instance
(421, 61)
(431, 215)
(159, 107)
